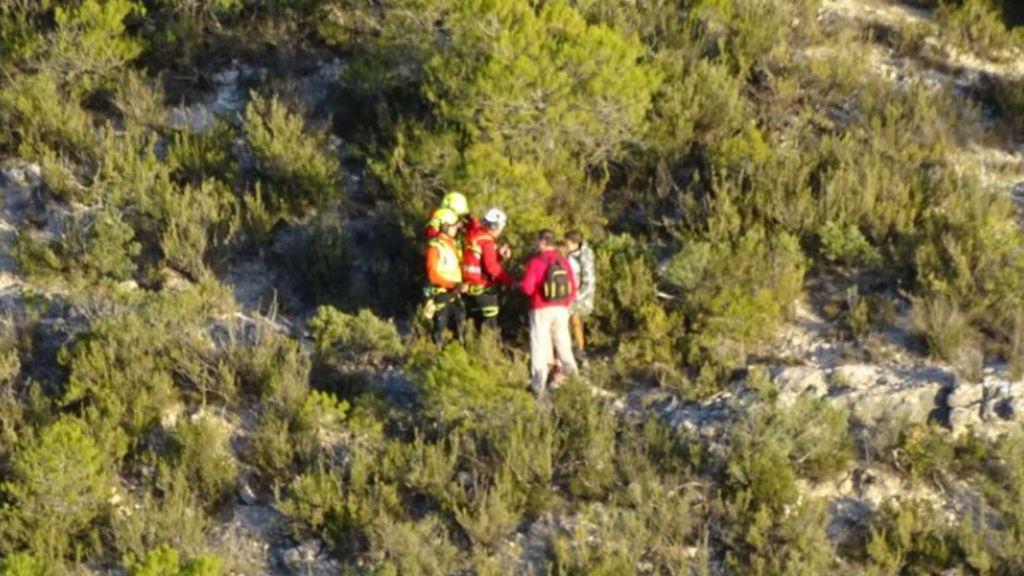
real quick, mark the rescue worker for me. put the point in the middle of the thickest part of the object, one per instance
(454, 203)
(581, 258)
(444, 273)
(550, 285)
(482, 270)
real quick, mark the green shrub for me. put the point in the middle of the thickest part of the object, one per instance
(272, 368)
(60, 486)
(1009, 96)
(287, 436)
(89, 43)
(20, 564)
(139, 100)
(93, 246)
(424, 164)
(625, 272)
(136, 357)
(298, 167)
(946, 330)
(909, 537)
(847, 246)
(652, 528)
(194, 157)
(202, 454)
(544, 80)
(181, 32)
(528, 450)
(734, 295)
(363, 336)
(699, 107)
(20, 24)
(110, 248)
(772, 528)
(194, 220)
(38, 117)
(465, 385)
(119, 380)
(575, 556)
(346, 507)
(163, 512)
(165, 561)
(979, 25)
(327, 267)
(586, 441)
(491, 514)
(413, 547)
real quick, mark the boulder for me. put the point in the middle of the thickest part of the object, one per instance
(874, 394)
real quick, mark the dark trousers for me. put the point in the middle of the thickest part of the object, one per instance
(449, 311)
(484, 309)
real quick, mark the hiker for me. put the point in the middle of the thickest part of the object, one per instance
(452, 203)
(550, 285)
(482, 270)
(581, 258)
(444, 273)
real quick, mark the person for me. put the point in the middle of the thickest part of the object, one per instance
(452, 203)
(581, 258)
(444, 274)
(482, 269)
(549, 284)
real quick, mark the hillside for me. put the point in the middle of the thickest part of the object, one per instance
(806, 354)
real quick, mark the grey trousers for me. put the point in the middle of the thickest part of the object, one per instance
(549, 337)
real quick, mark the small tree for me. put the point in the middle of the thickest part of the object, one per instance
(60, 486)
(297, 166)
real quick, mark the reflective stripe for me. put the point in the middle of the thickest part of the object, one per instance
(448, 266)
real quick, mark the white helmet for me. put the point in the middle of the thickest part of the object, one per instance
(496, 218)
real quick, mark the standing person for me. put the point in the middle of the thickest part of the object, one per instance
(452, 203)
(550, 285)
(444, 273)
(581, 258)
(482, 270)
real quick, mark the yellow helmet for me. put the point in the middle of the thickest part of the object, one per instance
(456, 202)
(446, 217)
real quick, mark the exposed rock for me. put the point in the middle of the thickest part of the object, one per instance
(856, 376)
(966, 402)
(174, 281)
(306, 558)
(245, 542)
(873, 393)
(246, 493)
(794, 381)
(29, 175)
(966, 394)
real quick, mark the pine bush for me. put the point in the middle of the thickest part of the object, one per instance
(60, 486)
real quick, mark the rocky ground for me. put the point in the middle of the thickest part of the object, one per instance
(890, 383)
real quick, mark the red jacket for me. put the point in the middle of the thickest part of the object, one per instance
(533, 279)
(481, 264)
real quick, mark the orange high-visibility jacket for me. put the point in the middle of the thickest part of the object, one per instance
(444, 268)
